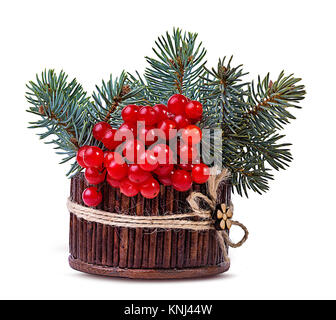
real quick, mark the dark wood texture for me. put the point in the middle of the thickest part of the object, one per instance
(149, 274)
(143, 253)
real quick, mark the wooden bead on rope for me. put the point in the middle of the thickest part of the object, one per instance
(223, 216)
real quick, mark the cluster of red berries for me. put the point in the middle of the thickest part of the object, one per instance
(139, 153)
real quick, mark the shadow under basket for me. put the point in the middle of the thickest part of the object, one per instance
(141, 253)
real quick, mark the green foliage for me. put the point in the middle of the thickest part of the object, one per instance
(250, 118)
(177, 66)
(61, 109)
(269, 102)
(111, 97)
(223, 96)
(250, 114)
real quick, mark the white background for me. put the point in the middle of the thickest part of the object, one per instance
(291, 249)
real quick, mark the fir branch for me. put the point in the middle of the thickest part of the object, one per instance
(111, 97)
(51, 116)
(116, 101)
(144, 97)
(177, 67)
(269, 102)
(252, 178)
(61, 110)
(223, 96)
(249, 119)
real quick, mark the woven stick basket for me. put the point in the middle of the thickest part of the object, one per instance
(142, 253)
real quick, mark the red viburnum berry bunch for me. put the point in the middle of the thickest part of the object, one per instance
(138, 156)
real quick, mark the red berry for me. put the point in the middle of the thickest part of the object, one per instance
(142, 134)
(117, 170)
(92, 197)
(148, 114)
(166, 180)
(163, 153)
(137, 175)
(150, 189)
(128, 188)
(109, 139)
(194, 121)
(148, 161)
(122, 135)
(155, 135)
(200, 173)
(80, 156)
(93, 157)
(127, 131)
(181, 121)
(132, 150)
(168, 128)
(176, 104)
(109, 156)
(194, 110)
(164, 169)
(181, 180)
(188, 153)
(150, 134)
(186, 166)
(128, 126)
(171, 116)
(130, 113)
(192, 134)
(112, 182)
(99, 130)
(162, 111)
(94, 176)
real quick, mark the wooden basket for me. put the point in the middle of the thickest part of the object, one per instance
(143, 253)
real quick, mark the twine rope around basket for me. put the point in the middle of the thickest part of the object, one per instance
(172, 221)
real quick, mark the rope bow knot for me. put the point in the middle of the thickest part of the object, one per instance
(219, 212)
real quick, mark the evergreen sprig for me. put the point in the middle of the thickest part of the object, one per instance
(111, 97)
(145, 96)
(177, 66)
(223, 96)
(269, 102)
(249, 119)
(61, 108)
